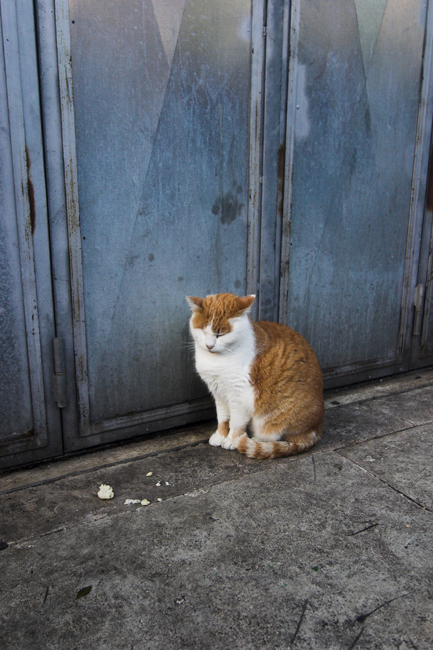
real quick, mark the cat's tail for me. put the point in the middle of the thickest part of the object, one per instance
(254, 448)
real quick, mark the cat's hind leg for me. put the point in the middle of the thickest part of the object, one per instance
(272, 442)
(264, 433)
(223, 417)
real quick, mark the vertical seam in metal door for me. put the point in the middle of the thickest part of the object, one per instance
(255, 145)
(289, 159)
(72, 210)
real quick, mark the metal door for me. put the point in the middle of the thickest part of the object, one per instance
(30, 427)
(358, 123)
(194, 147)
(161, 107)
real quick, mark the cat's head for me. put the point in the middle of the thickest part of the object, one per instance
(217, 321)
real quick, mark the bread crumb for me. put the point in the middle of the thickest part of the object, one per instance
(130, 502)
(149, 473)
(105, 492)
(145, 502)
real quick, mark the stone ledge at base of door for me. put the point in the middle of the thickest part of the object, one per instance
(193, 435)
(93, 460)
(378, 388)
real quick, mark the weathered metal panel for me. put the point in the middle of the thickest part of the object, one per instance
(353, 119)
(72, 212)
(427, 329)
(291, 111)
(16, 417)
(420, 219)
(273, 153)
(258, 35)
(422, 341)
(56, 200)
(25, 210)
(158, 191)
(30, 422)
(38, 212)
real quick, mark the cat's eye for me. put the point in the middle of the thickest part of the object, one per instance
(219, 334)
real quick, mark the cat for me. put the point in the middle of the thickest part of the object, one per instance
(260, 374)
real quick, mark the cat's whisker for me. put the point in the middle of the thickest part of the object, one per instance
(227, 351)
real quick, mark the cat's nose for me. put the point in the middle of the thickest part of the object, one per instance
(210, 342)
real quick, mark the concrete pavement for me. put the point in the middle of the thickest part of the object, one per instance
(332, 549)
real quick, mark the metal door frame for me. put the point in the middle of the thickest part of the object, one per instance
(273, 152)
(411, 343)
(27, 179)
(422, 347)
(424, 351)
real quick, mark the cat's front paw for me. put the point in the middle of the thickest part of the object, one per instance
(228, 443)
(216, 439)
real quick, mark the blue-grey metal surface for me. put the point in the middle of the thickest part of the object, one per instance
(418, 282)
(422, 342)
(169, 147)
(16, 417)
(162, 156)
(274, 129)
(30, 424)
(355, 107)
(56, 202)
(255, 164)
(427, 330)
(423, 352)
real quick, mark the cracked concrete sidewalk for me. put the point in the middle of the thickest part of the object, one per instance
(332, 549)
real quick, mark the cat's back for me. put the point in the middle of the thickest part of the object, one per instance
(279, 337)
(284, 359)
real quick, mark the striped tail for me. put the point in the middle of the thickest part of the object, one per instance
(254, 448)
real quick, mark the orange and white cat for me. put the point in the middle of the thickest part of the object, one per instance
(260, 374)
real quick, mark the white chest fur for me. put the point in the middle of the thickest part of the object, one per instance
(227, 377)
(227, 372)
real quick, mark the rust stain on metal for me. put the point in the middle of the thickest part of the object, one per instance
(280, 181)
(81, 367)
(31, 193)
(25, 437)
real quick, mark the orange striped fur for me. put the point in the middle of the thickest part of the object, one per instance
(262, 374)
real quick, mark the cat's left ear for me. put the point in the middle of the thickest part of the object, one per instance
(195, 303)
(244, 304)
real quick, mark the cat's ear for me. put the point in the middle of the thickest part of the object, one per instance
(244, 304)
(195, 303)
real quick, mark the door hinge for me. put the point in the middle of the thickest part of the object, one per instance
(265, 31)
(59, 377)
(418, 303)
